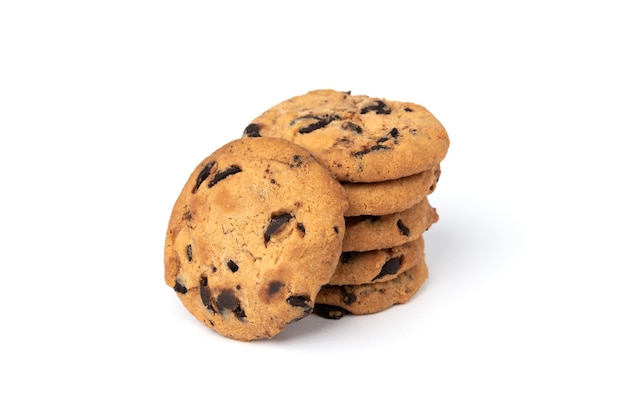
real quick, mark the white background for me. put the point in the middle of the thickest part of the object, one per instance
(106, 108)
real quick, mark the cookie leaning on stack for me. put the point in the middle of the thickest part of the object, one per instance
(319, 208)
(254, 234)
(387, 156)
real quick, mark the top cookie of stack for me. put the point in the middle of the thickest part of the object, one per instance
(358, 138)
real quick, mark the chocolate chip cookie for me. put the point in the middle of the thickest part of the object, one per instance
(377, 265)
(385, 197)
(367, 232)
(358, 138)
(254, 234)
(334, 302)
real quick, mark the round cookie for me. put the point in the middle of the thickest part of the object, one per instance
(385, 197)
(377, 265)
(334, 302)
(366, 233)
(256, 231)
(359, 138)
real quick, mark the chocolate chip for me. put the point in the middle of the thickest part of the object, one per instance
(379, 107)
(351, 126)
(336, 229)
(297, 161)
(227, 301)
(232, 266)
(330, 311)
(274, 287)
(179, 287)
(224, 173)
(275, 225)
(205, 294)
(189, 253)
(390, 267)
(301, 229)
(393, 133)
(204, 173)
(379, 147)
(301, 301)
(252, 130)
(348, 298)
(403, 228)
(322, 121)
(408, 109)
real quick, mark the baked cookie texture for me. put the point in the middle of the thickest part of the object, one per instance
(358, 138)
(378, 265)
(320, 207)
(256, 231)
(367, 232)
(334, 302)
(385, 197)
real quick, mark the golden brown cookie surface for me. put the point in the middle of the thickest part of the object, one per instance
(377, 265)
(385, 197)
(366, 233)
(358, 138)
(254, 234)
(334, 302)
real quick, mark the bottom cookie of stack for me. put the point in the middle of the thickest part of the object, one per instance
(336, 301)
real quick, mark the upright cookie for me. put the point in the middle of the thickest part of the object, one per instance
(366, 233)
(359, 138)
(256, 231)
(334, 302)
(385, 197)
(378, 265)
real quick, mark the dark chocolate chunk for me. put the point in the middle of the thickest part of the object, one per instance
(301, 301)
(351, 126)
(232, 266)
(227, 301)
(408, 109)
(297, 161)
(205, 294)
(390, 267)
(330, 311)
(379, 107)
(189, 253)
(336, 229)
(204, 173)
(252, 130)
(179, 287)
(403, 228)
(274, 287)
(393, 133)
(348, 298)
(276, 223)
(301, 228)
(378, 147)
(224, 173)
(322, 121)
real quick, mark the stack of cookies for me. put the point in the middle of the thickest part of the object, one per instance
(319, 208)
(387, 156)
